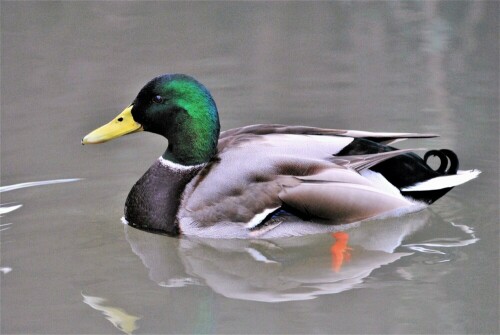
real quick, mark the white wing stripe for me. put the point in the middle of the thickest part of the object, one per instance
(259, 217)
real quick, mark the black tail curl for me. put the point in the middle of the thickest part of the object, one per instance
(407, 169)
(448, 161)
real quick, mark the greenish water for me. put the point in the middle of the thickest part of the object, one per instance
(70, 266)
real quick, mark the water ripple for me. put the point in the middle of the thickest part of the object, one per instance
(429, 246)
(10, 207)
(7, 209)
(36, 183)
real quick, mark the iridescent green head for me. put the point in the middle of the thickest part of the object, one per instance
(177, 107)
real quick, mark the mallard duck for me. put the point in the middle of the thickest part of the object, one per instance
(266, 180)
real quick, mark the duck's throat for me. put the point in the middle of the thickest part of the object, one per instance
(154, 200)
(191, 140)
(191, 149)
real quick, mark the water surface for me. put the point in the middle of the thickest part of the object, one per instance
(68, 265)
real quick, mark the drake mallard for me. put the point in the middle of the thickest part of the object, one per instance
(266, 180)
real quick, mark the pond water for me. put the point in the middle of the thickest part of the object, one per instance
(68, 265)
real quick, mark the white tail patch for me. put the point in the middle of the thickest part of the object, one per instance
(444, 181)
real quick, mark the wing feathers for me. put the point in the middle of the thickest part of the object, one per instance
(341, 202)
(264, 129)
(362, 162)
(256, 174)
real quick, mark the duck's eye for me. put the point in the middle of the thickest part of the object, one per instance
(157, 99)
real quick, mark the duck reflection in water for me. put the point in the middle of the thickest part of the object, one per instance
(285, 269)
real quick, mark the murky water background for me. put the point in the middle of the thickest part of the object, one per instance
(70, 266)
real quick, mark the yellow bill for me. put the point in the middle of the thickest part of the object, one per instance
(121, 125)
